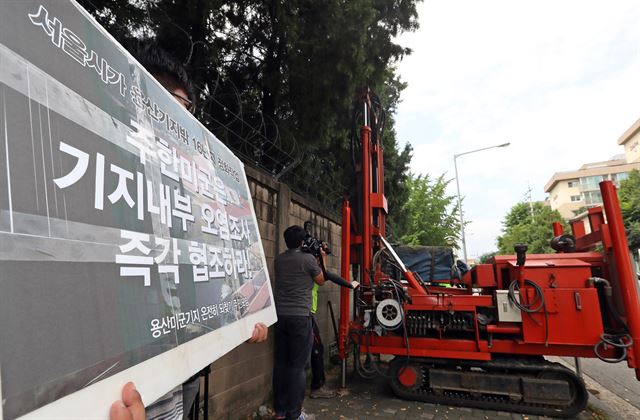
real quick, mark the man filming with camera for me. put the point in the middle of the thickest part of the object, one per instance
(296, 272)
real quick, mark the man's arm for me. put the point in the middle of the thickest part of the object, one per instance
(319, 279)
(333, 277)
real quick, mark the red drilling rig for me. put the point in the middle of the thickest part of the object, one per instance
(481, 341)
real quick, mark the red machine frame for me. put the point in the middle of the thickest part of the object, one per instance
(573, 321)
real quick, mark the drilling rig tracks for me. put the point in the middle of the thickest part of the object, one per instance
(531, 386)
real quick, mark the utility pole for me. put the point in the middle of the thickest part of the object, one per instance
(527, 196)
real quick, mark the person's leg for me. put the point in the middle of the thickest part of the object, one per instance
(300, 341)
(189, 392)
(318, 390)
(280, 368)
(317, 359)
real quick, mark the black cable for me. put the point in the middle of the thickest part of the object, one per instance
(362, 370)
(616, 341)
(533, 307)
(620, 339)
(404, 330)
(399, 300)
(369, 373)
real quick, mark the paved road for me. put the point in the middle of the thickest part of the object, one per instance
(617, 378)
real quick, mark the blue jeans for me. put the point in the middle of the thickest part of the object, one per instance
(293, 340)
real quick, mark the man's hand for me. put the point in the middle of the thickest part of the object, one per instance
(260, 333)
(323, 255)
(354, 285)
(130, 407)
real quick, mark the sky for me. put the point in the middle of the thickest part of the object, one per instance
(559, 80)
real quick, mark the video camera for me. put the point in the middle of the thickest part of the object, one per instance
(311, 244)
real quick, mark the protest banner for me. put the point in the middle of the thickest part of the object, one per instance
(129, 246)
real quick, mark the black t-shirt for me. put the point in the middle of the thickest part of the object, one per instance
(294, 271)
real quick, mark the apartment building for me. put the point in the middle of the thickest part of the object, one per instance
(571, 191)
(630, 141)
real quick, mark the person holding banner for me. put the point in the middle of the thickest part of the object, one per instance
(130, 407)
(177, 403)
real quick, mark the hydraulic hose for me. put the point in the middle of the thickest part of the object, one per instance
(620, 339)
(535, 306)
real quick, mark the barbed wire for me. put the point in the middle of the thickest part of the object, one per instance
(260, 146)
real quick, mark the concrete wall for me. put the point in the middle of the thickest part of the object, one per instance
(241, 380)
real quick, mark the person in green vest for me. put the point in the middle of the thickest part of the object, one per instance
(318, 388)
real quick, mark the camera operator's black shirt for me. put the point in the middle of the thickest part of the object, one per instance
(294, 271)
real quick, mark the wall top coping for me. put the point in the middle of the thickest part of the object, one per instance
(266, 179)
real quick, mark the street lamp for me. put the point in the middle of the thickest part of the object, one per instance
(455, 165)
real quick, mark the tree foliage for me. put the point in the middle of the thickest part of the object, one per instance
(430, 216)
(484, 258)
(396, 163)
(522, 225)
(629, 195)
(580, 210)
(277, 78)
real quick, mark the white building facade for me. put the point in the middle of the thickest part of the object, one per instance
(573, 191)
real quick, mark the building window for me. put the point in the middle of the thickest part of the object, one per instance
(572, 183)
(618, 178)
(592, 198)
(591, 182)
(575, 198)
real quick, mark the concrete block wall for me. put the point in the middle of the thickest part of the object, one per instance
(240, 381)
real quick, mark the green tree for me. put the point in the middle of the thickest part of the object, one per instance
(396, 160)
(529, 224)
(429, 216)
(629, 195)
(580, 210)
(486, 257)
(277, 79)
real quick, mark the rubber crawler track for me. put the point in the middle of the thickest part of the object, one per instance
(519, 367)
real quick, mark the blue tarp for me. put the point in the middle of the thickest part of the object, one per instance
(432, 263)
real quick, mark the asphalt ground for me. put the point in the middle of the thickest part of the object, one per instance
(612, 387)
(614, 394)
(616, 377)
